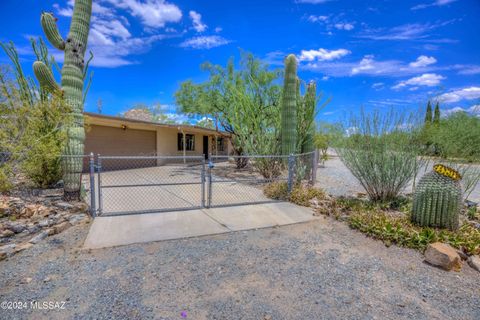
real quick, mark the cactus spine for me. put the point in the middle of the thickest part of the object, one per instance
(437, 201)
(289, 107)
(71, 86)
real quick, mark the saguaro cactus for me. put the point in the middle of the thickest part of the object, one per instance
(310, 108)
(437, 199)
(71, 86)
(289, 107)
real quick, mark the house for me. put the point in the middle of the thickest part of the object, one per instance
(118, 136)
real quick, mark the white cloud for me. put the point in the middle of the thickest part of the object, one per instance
(313, 18)
(204, 42)
(426, 79)
(411, 31)
(218, 29)
(469, 70)
(344, 26)
(198, 25)
(378, 85)
(469, 93)
(110, 39)
(322, 54)
(437, 3)
(473, 110)
(312, 1)
(152, 13)
(422, 61)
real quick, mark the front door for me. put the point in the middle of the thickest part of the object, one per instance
(205, 146)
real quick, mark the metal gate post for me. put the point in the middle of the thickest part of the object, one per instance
(291, 172)
(99, 170)
(314, 167)
(203, 182)
(209, 180)
(93, 209)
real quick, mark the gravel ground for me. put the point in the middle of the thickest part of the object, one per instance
(337, 180)
(316, 270)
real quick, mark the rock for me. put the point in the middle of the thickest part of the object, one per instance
(44, 223)
(77, 218)
(23, 246)
(29, 210)
(61, 227)
(43, 211)
(462, 254)
(26, 280)
(443, 255)
(34, 229)
(64, 205)
(50, 231)
(6, 233)
(39, 237)
(16, 227)
(474, 262)
(7, 251)
(80, 207)
(267, 317)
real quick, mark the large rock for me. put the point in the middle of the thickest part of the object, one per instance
(474, 262)
(443, 255)
(39, 237)
(6, 251)
(61, 227)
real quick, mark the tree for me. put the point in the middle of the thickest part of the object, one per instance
(436, 115)
(428, 115)
(245, 103)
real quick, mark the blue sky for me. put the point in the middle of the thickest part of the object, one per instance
(371, 54)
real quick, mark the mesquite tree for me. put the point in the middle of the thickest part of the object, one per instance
(72, 85)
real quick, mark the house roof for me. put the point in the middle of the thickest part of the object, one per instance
(154, 124)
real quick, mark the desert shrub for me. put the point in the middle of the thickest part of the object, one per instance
(302, 194)
(276, 190)
(30, 132)
(397, 229)
(5, 178)
(456, 136)
(381, 152)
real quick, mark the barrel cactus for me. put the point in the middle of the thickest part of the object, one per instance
(72, 85)
(437, 199)
(289, 107)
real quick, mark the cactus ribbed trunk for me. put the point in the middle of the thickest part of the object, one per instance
(289, 107)
(437, 201)
(310, 107)
(71, 85)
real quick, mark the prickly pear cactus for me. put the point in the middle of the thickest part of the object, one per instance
(438, 198)
(289, 107)
(71, 86)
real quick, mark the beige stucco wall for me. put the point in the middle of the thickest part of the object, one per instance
(166, 136)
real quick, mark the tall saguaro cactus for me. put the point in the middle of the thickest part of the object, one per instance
(71, 86)
(310, 111)
(289, 107)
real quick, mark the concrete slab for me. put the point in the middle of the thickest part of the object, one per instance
(257, 216)
(123, 230)
(129, 229)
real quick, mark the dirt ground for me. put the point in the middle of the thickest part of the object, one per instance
(316, 270)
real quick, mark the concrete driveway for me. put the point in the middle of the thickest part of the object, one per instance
(113, 231)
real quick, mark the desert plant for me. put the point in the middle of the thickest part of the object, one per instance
(381, 152)
(288, 131)
(437, 199)
(276, 190)
(428, 114)
(72, 86)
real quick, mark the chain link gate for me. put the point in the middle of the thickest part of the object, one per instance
(148, 184)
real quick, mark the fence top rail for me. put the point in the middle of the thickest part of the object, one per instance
(260, 156)
(153, 157)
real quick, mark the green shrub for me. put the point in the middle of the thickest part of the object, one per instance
(5, 178)
(397, 229)
(276, 190)
(381, 153)
(302, 194)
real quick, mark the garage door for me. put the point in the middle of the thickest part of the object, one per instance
(110, 141)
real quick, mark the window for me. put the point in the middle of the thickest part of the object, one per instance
(220, 144)
(190, 142)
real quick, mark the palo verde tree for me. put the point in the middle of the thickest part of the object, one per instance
(72, 86)
(243, 102)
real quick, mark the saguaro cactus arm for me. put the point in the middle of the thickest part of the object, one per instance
(45, 77)
(49, 26)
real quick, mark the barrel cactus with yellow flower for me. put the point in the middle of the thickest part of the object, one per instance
(437, 199)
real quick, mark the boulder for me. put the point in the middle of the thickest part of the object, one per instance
(80, 207)
(76, 218)
(23, 246)
(39, 237)
(64, 205)
(29, 210)
(443, 255)
(61, 227)
(6, 251)
(474, 262)
(6, 233)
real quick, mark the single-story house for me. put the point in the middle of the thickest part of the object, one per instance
(118, 136)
